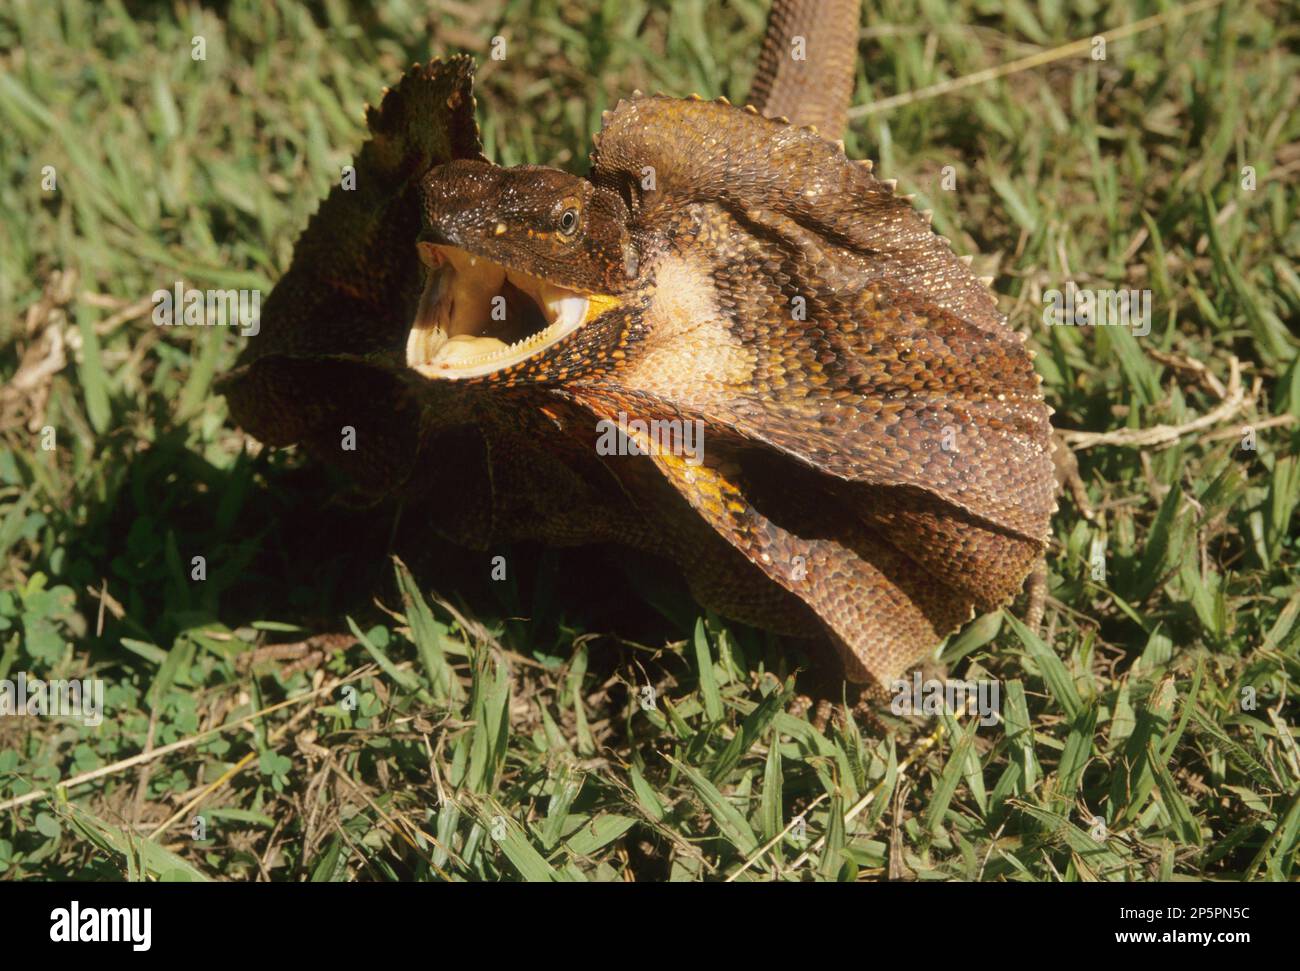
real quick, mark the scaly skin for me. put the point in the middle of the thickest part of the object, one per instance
(815, 88)
(876, 461)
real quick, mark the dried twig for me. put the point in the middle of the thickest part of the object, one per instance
(177, 746)
(1081, 46)
(1235, 401)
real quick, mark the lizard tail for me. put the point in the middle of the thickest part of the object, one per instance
(806, 65)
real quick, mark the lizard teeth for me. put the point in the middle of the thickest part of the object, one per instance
(462, 299)
(465, 349)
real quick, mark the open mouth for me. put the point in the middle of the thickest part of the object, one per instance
(476, 317)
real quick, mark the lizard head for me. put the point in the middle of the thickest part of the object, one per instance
(516, 261)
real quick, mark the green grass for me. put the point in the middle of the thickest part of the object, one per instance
(464, 729)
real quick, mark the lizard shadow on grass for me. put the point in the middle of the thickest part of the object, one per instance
(284, 539)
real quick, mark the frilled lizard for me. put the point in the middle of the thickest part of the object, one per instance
(875, 457)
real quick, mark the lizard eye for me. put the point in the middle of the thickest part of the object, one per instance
(569, 221)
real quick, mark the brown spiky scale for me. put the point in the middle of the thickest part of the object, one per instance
(825, 494)
(354, 263)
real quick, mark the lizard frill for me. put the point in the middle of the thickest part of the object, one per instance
(875, 453)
